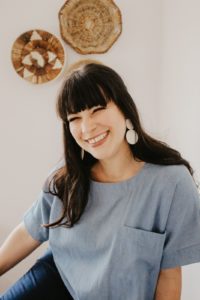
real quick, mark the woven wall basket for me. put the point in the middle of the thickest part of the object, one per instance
(90, 26)
(38, 56)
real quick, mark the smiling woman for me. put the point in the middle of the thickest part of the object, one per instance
(118, 211)
(98, 129)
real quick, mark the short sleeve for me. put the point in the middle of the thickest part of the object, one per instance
(39, 214)
(182, 244)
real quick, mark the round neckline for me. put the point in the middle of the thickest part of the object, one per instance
(122, 182)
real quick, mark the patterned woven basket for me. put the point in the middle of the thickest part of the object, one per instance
(38, 56)
(90, 26)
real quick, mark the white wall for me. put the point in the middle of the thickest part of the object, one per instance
(180, 89)
(157, 60)
(179, 104)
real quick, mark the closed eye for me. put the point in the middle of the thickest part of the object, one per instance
(95, 110)
(72, 119)
(99, 108)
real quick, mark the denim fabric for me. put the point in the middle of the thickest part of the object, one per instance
(41, 282)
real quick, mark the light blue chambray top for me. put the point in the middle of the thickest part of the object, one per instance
(128, 232)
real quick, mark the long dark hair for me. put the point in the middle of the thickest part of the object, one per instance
(90, 85)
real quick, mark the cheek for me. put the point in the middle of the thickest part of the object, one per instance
(118, 123)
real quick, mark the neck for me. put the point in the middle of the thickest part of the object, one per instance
(117, 168)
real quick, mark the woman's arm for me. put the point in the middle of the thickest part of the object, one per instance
(16, 247)
(169, 284)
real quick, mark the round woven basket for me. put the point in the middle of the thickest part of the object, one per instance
(38, 56)
(90, 26)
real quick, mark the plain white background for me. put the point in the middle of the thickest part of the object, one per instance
(157, 55)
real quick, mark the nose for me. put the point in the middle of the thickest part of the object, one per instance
(87, 125)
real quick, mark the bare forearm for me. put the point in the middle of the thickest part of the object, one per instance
(169, 285)
(16, 247)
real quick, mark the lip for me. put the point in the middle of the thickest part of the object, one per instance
(101, 141)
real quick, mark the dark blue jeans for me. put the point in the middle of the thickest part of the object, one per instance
(41, 282)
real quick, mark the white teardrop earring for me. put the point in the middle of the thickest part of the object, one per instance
(131, 134)
(82, 153)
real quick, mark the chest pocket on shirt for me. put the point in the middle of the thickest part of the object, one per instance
(136, 258)
(140, 245)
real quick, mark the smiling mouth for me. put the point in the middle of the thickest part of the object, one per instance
(98, 138)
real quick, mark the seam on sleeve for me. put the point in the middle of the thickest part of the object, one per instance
(185, 256)
(171, 204)
(182, 249)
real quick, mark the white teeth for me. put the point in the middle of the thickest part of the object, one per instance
(97, 139)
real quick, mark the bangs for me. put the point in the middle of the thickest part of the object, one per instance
(83, 92)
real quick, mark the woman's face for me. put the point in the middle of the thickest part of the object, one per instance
(99, 130)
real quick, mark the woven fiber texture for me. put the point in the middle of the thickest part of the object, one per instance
(38, 56)
(90, 26)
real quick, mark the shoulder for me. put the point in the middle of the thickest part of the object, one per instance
(166, 178)
(171, 173)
